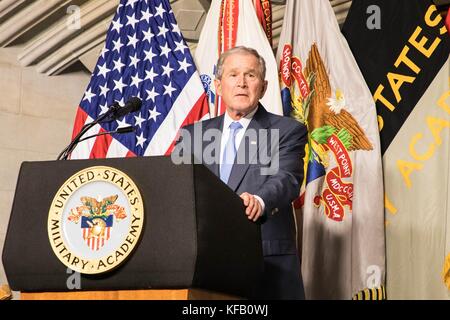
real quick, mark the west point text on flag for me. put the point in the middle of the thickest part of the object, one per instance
(343, 253)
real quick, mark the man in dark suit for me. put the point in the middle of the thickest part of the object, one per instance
(259, 155)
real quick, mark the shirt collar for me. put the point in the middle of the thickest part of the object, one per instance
(244, 121)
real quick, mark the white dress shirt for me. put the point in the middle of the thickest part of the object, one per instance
(244, 121)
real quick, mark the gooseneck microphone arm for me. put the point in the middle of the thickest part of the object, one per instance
(67, 150)
(113, 113)
(119, 131)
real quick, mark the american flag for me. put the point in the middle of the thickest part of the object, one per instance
(146, 56)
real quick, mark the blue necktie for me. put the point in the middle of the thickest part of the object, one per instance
(229, 153)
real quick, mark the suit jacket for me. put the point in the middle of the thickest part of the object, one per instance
(277, 189)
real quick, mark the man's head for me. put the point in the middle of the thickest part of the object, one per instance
(240, 80)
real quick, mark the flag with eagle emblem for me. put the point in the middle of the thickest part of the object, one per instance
(343, 253)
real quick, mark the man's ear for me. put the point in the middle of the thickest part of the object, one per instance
(264, 88)
(218, 87)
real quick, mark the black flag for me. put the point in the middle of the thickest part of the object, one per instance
(399, 46)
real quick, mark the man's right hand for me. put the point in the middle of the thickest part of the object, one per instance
(253, 206)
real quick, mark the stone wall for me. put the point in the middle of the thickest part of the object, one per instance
(36, 120)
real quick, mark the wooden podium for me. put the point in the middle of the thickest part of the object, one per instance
(196, 242)
(182, 294)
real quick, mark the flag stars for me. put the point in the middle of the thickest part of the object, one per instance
(148, 35)
(140, 40)
(117, 45)
(160, 11)
(167, 69)
(146, 15)
(118, 65)
(117, 26)
(131, 3)
(103, 70)
(132, 41)
(134, 60)
(169, 89)
(152, 94)
(88, 95)
(153, 114)
(132, 21)
(162, 30)
(139, 120)
(119, 85)
(180, 46)
(122, 123)
(104, 90)
(140, 140)
(149, 55)
(165, 50)
(184, 65)
(176, 28)
(135, 81)
(150, 75)
(103, 109)
(104, 51)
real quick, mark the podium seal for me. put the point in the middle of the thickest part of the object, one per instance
(95, 220)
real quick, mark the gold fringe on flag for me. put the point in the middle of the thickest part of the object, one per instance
(446, 272)
(371, 294)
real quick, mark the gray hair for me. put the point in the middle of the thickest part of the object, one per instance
(244, 50)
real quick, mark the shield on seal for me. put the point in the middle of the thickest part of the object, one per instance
(96, 231)
(97, 217)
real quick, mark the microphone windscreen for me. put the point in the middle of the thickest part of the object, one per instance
(134, 103)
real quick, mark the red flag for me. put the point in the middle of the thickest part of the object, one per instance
(263, 10)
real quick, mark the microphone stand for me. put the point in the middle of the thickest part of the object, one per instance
(67, 150)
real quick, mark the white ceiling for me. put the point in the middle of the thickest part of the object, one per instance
(41, 29)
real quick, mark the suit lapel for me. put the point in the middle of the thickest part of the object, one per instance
(248, 150)
(215, 123)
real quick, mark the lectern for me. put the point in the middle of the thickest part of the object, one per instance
(195, 234)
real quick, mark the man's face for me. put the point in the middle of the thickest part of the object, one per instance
(241, 85)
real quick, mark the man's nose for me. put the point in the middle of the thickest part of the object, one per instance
(241, 81)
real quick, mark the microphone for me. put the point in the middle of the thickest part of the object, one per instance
(119, 131)
(133, 105)
(113, 113)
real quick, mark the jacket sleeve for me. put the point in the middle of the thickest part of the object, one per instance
(283, 186)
